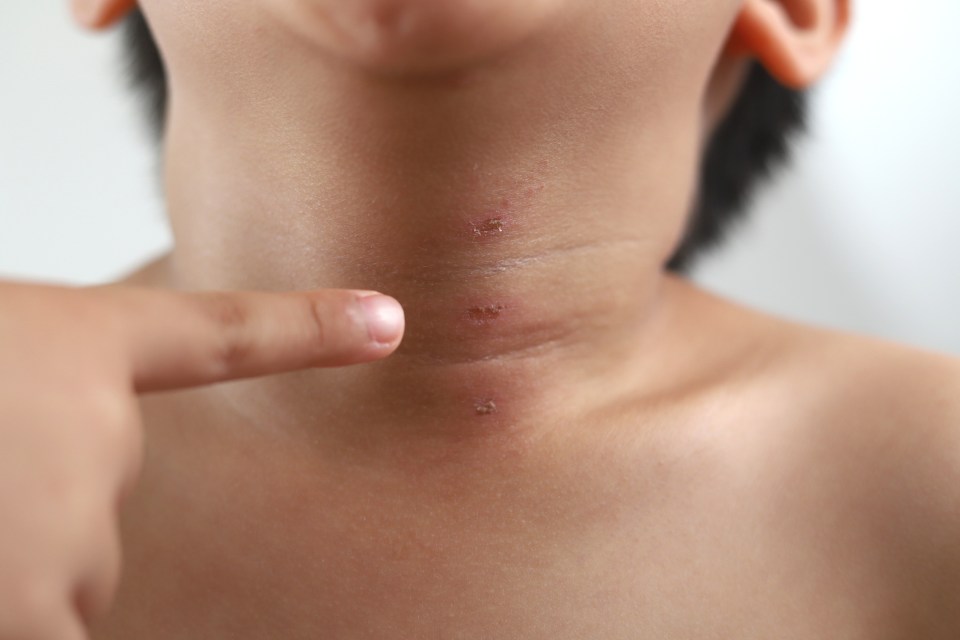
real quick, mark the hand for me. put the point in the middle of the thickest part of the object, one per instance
(71, 364)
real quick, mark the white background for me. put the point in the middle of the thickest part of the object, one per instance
(861, 235)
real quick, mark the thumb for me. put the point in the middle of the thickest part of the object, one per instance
(175, 340)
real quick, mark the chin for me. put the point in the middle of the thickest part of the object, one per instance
(416, 36)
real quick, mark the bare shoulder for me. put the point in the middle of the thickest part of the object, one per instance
(891, 428)
(913, 391)
(854, 376)
(871, 429)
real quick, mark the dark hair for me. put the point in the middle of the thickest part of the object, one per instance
(747, 146)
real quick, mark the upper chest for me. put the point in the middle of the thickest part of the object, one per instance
(687, 541)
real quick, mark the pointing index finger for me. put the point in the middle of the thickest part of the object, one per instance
(177, 340)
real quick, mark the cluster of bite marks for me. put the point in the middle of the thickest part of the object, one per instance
(495, 225)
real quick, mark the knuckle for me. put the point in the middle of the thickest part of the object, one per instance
(316, 324)
(228, 311)
(232, 318)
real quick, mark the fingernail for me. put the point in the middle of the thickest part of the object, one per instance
(384, 317)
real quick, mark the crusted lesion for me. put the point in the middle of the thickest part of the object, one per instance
(489, 227)
(485, 314)
(485, 407)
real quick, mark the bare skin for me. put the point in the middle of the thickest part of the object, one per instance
(772, 493)
(568, 443)
(71, 437)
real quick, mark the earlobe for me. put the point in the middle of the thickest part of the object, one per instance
(100, 14)
(794, 39)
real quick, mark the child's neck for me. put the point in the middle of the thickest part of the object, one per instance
(524, 239)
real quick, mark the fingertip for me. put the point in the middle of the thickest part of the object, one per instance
(384, 319)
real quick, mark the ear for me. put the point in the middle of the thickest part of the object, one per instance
(100, 14)
(794, 39)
